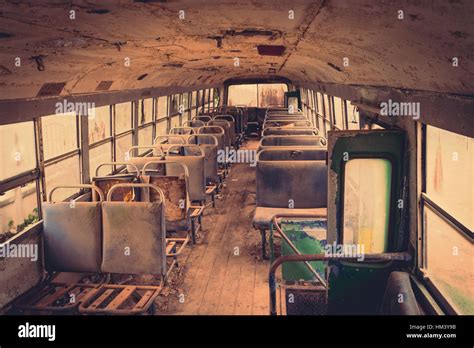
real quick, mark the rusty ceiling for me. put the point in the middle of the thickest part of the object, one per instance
(126, 45)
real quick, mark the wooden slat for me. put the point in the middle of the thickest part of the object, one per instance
(121, 297)
(143, 301)
(101, 298)
(170, 247)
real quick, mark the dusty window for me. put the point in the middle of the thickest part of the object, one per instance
(449, 172)
(123, 117)
(65, 172)
(17, 148)
(162, 107)
(59, 134)
(18, 209)
(258, 95)
(449, 262)
(367, 203)
(100, 154)
(99, 124)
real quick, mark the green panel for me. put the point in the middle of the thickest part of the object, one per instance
(309, 237)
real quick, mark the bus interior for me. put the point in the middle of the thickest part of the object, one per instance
(236, 157)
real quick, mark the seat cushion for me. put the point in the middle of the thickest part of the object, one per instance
(263, 215)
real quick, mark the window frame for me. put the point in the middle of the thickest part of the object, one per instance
(424, 202)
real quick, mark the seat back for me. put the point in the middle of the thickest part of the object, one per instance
(226, 125)
(289, 131)
(175, 190)
(209, 144)
(290, 141)
(286, 123)
(72, 233)
(104, 183)
(295, 182)
(134, 163)
(181, 130)
(194, 159)
(203, 118)
(134, 234)
(232, 129)
(194, 123)
(216, 131)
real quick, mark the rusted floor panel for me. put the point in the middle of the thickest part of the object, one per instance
(223, 273)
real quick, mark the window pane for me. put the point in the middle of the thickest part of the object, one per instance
(185, 100)
(449, 262)
(18, 209)
(449, 173)
(146, 111)
(17, 149)
(174, 122)
(174, 104)
(193, 98)
(99, 125)
(320, 104)
(59, 134)
(98, 155)
(193, 113)
(352, 116)
(327, 107)
(122, 145)
(271, 94)
(162, 107)
(123, 117)
(161, 128)
(145, 138)
(243, 94)
(367, 203)
(66, 172)
(338, 113)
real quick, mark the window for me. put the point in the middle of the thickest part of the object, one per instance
(161, 127)
(447, 206)
(100, 150)
(59, 134)
(258, 95)
(17, 149)
(146, 111)
(449, 173)
(64, 172)
(338, 113)
(122, 145)
(194, 99)
(174, 104)
(99, 125)
(243, 94)
(18, 209)
(367, 203)
(352, 117)
(123, 117)
(162, 107)
(449, 258)
(98, 155)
